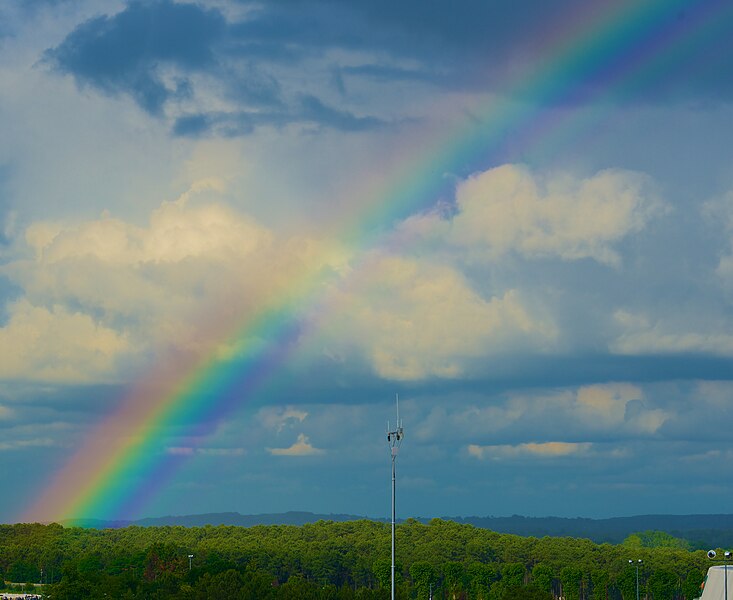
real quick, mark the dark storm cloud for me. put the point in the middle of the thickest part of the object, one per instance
(424, 30)
(124, 54)
(456, 46)
(309, 110)
(121, 53)
(476, 45)
(254, 88)
(312, 109)
(191, 126)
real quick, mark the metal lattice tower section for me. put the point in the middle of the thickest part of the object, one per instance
(394, 439)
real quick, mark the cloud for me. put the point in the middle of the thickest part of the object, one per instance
(598, 412)
(308, 111)
(25, 444)
(719, 211)
(190, 451)
(530, 449)
(56, 345)
(178, 231)
(510, 209)
(195, 267)
(641, 335)
(411, 313)
(228, 69)
(380, 72)
(145, 286)
(125, 52)
(422, 309)
(187, 63)
(452, 44)
(300, 448)
(683, 410)
(606, 403)
(8, 215)
(414, 319)
(278, 418)
(710, 456)
(637, 416)
(313, 109)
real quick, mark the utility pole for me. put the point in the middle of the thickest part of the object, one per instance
(394, 440)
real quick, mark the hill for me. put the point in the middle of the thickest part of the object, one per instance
(701, 531)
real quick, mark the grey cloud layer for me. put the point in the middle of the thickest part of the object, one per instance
(120, 53)
(210, 74)
(482, 453)
(167, 54)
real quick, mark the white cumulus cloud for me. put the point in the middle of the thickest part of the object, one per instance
(531, 449)
(58, 345)
(414, 319)
(302, 447)
(105, 289)
(511, 209)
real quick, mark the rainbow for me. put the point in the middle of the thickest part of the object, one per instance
(604, 54)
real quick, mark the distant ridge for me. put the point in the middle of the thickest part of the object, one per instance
(235, 518)
(225, 518)
(701, 531)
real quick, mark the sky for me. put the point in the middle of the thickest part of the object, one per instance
(231, 232)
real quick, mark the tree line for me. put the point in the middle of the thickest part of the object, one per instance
(343, 561)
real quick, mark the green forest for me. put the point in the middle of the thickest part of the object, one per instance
(342, 561)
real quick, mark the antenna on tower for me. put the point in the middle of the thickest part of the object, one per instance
(397, 401)
(394, 439)
(394, 436)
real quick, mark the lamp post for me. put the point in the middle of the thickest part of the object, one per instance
(726, 558)
(637, 563)
(190, 558)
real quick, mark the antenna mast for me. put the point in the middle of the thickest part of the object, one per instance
(394, 439)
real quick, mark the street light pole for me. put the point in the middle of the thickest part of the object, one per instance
(190, 558)
(638, 562)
